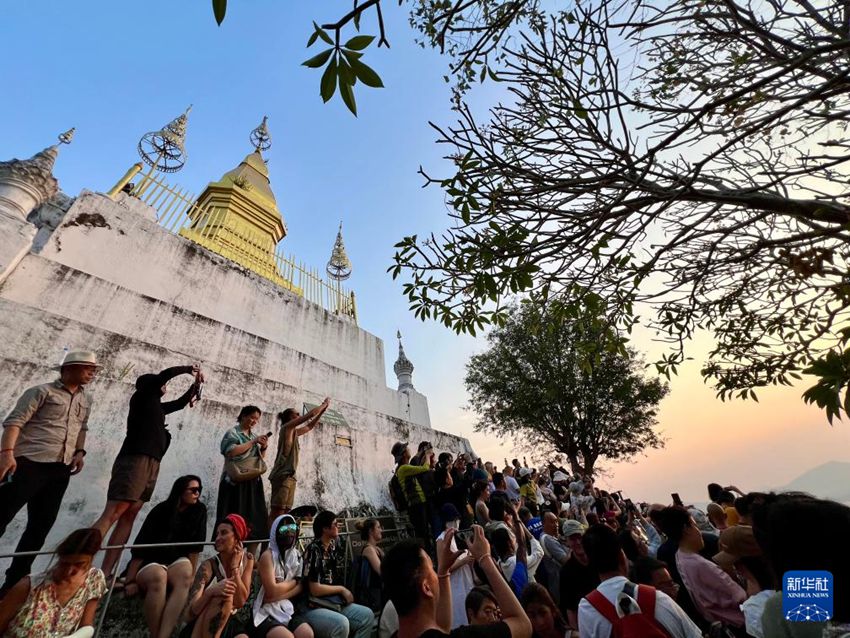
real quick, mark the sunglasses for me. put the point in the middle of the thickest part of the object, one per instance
(289, 528)
(194, 490)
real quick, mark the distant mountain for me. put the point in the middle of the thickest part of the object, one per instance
(830, 480)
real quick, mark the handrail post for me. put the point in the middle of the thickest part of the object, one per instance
(109, 592)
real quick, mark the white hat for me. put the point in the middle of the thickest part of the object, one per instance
(559, 477)
(524, 471)
(79, 357)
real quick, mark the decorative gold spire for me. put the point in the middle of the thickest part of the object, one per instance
(339, 266)
(260, 137)
(237, 216)
(165, 150)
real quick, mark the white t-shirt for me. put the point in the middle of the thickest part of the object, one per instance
(669, 615)
(462, 581)
(513, 489)
(753, 609)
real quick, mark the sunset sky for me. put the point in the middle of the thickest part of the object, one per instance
(117, 70)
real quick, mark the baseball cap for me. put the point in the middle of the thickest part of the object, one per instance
(559, 477)
(398, 450)
(571, 528)
(524, 471)
(736, 542)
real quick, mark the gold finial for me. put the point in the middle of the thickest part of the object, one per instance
(260, 137)
(164, 150)
(67, 136)
(339, 266)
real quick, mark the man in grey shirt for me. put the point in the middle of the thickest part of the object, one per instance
(43, 444)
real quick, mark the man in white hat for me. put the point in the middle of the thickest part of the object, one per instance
(43, 444)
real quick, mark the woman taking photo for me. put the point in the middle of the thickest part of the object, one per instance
(222, 585)
(240, 490)
(163, 574)
(280, 570)
(61, 601)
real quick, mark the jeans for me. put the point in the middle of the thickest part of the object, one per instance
(39, 486)
(354, 620)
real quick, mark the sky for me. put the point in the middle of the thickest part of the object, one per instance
(117, 70)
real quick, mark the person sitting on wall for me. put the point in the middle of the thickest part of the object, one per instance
(43, 445)
(61, 601)
(136, 467)
(282, 476)
(222, 585)
(164, 574)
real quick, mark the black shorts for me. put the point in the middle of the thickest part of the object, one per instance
(133, 478)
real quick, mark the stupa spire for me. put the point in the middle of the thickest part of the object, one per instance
(27, 184)
(339, 265)
(165, 150)
(403, 368)
(260, 137)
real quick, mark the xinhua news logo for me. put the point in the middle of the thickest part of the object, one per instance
(807, 596)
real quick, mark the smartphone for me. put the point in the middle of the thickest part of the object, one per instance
(677, 500)
(464, 535)
(269, 434)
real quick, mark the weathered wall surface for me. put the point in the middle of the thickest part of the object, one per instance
(113, 281)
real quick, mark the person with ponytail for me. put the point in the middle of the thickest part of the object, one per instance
(222, 584)
(164, 574)
(280, 568)
(61, 601)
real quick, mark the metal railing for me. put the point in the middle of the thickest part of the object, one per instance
(222, 232)
(303, 541)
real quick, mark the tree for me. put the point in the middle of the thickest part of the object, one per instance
(470, 32)
(555, 381)
(685, 162)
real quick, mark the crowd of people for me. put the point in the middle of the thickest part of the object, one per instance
(516, 552)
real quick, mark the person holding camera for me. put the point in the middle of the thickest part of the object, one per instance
(408, 474)
(282, 476)
(136, 468)
(240, 490)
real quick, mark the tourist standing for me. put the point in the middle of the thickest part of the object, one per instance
(240, 490)
(43, 445)
(282, 477)
(136, 468)
(163, 574)
(417, 505)
(577, 577)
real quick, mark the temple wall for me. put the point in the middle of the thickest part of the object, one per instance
(111, 280)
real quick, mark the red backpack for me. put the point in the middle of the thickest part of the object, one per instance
(631, 625)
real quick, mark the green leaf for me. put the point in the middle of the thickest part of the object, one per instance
(365, 74)
(323, 34)
(347, 94)
(219, 9)
(359, 42)
(346, 75)
(318, 60)
(579, 110)
(312, 40)
(328, 84)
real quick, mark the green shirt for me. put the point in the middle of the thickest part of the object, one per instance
(414, 493)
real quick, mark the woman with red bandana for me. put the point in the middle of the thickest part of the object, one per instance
(222, 585)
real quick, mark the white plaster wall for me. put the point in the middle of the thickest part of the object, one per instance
(207, 284)
(17, 237)
(144, 299)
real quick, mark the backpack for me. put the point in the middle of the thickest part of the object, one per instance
(638, 624)
(397, 494)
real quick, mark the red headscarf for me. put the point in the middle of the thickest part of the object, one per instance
(240, 527)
